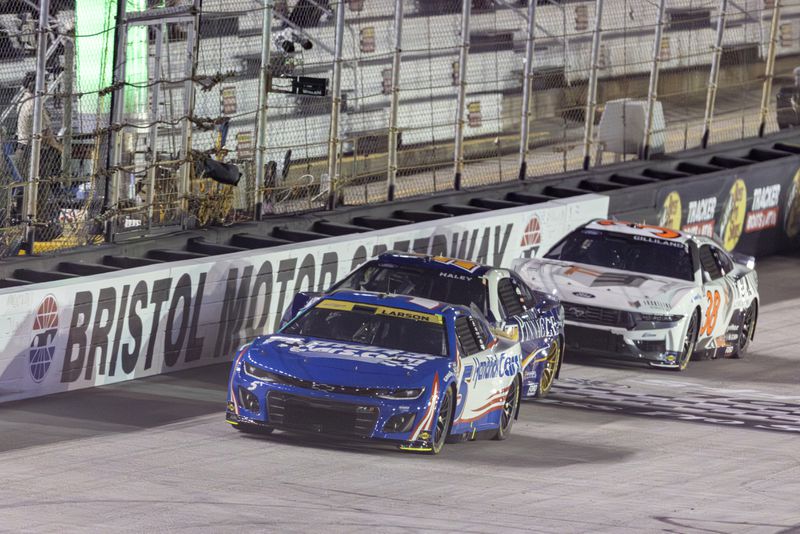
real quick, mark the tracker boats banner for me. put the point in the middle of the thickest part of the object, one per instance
(754, 210)
(112, 327)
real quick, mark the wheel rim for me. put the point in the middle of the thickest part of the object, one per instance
(443, 419)
(550, 368)
(510, 405)
(689, 342)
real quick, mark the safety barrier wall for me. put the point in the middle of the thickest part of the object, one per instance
(95, 330)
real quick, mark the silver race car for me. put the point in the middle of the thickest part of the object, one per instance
(648, 293)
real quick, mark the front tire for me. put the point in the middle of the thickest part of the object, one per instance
(509, 412)
(689, 342)
(444, 421)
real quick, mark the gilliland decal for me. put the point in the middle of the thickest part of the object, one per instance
(45, 328)
(700, 216)
(733, 216)
(763, 212)
(670, 216)
(791, 222)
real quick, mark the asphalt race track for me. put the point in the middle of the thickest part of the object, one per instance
(614, 449)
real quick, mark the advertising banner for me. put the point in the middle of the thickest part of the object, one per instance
(754, 210)
(100, 329)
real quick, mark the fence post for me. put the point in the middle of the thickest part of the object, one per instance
(391, 178)
(652, 89)
(192, 41)
(591, 94)
(69, 72)
(458, 156)
(336, 102)
(527, 92)
(152, 171)
(35, 142)
(770, 70)
(263, 96)
(113, 181)
(713, 75)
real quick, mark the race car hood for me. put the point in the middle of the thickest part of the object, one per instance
(599, 286)
(345, 364)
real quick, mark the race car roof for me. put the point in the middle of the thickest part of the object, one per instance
(643, 230)
(438, 263)
(403, 302)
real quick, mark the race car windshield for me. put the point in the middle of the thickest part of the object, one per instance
(427, 283)
(641, 254)
(371, 326)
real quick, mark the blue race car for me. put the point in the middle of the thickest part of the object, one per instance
(405, 370)
(511, 307)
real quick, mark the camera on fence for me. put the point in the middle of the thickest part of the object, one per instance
(285, 40)
(224, 173)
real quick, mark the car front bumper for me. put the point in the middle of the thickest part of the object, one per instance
(658, 348)
(285, 407)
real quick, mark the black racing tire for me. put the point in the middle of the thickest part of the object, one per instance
(747, 329)
(247, 428)
(689, 343)
(509, 412)
(550, 369)
(444, 421)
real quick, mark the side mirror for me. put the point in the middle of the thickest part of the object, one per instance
(744, 259)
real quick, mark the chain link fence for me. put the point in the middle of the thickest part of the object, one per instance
(137, 117)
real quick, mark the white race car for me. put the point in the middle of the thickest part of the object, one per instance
(647, 293)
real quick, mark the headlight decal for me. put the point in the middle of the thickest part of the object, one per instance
(427, 420)
(236, 363)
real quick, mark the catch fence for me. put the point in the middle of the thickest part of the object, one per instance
(134, 117)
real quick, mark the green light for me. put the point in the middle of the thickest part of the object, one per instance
(94, 52)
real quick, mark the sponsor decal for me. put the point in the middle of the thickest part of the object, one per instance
(347, 351)
(670, 216)
(700, 216)
(109, 330)
(537, 328)
(733, 216)
(45, 328)
(496, 366)
(583, 295)
(461, 264)
(764, 209)
(791, 223)
(331, 304)
(531, 237)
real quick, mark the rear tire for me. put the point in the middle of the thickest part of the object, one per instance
(444, 421)
(549, 370)
(746, 331)
(509, 412)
